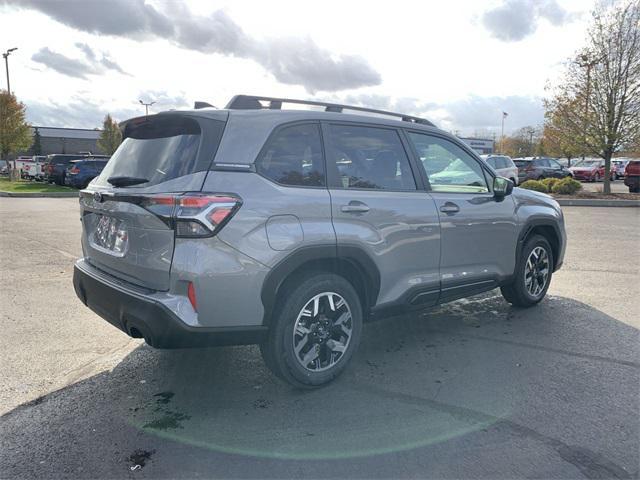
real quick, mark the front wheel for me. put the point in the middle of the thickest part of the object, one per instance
(532, 275)
(315, 330)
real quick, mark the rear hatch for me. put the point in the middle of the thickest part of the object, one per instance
(127, 212)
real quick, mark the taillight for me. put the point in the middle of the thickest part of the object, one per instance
(191, 294)
(74, 170)
(194, 215)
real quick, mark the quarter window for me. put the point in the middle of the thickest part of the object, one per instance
(448, 167)
(294, 157)
(369, 157)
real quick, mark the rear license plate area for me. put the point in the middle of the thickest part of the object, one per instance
(110, 236)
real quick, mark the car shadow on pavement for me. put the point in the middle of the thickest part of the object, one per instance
(475, 388)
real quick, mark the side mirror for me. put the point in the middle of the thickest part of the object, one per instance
(502, 187)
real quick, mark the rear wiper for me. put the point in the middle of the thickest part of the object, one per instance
(126, 181)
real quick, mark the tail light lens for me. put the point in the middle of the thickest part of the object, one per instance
(194, 215)
(74, 170)
(191, 294)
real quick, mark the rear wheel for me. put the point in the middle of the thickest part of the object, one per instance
(532, 275)
(315, 330)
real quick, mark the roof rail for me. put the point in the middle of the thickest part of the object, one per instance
(251, 102)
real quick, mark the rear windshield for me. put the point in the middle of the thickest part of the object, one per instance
(158, 150)
(521, 163)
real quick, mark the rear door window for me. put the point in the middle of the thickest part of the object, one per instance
(368, 158)
(162, 148)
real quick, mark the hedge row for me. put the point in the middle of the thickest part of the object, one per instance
(566, 186)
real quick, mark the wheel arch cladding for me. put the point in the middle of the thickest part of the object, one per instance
(350, 262)
(545, 229)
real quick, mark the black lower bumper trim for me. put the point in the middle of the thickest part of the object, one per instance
(137, 315)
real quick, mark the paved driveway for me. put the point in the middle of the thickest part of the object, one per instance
(472, 389)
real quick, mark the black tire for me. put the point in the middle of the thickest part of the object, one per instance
(517, 293)
(278, 350)
(634, 189)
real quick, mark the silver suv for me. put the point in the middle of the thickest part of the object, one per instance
(290, 228)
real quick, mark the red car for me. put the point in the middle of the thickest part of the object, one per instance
(632, 176)
(589, 170)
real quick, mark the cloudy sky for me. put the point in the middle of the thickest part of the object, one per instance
(459, 63)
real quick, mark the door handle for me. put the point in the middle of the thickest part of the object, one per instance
(355, 207)
(449, 208)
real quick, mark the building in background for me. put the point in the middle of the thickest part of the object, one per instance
(67, 140)
(483, 146)
(62, 140)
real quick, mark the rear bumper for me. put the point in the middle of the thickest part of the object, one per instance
(632, 181)
(136, 314)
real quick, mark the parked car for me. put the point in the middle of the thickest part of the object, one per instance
(21, 163)
(55, 167)
(617, 168)
(80, 172)
(589, 170)
(33, 170)
(503, 165)
(539, 168)
(632, 176)
(277, 234)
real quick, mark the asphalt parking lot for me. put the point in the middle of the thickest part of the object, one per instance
(473, 389)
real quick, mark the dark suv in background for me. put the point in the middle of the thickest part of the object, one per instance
(55, 167)
(80, 172)
(539, 168)
(290, 228)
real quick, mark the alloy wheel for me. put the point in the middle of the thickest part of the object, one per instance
(322, 332)
(536, 271)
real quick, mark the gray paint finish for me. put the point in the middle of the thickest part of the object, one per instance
(400, 233)
(479, 241)
(413, 245)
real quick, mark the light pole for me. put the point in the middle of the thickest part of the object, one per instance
(6, 66)
(584, 61)
(531, 131)
(146, 106)
(504, 115)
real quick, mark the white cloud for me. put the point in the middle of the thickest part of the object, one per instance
(514, 20)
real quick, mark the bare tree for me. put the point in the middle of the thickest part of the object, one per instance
(598, 102)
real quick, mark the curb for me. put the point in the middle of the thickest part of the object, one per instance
(40, 194)
(589, 202)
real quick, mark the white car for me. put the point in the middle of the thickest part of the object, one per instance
(503, 165)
